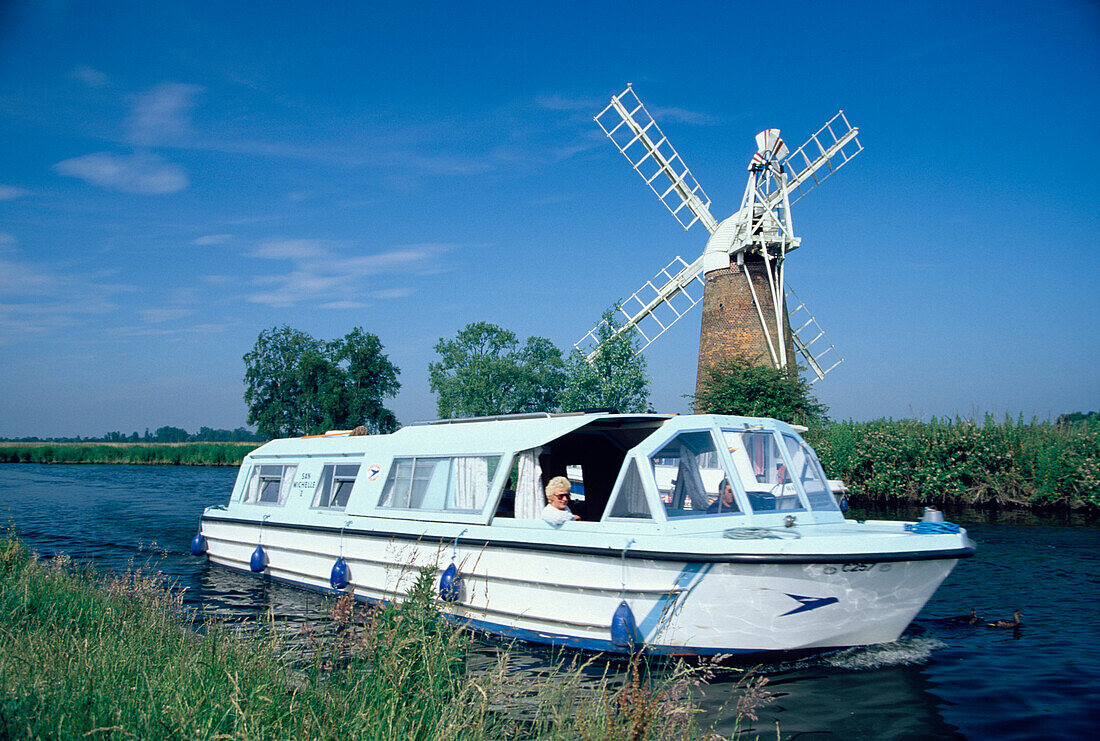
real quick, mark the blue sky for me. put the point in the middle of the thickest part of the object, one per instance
(176, 177)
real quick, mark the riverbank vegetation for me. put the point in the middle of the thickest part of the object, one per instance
(85, 656)
(167, 454)
(1004, 463)
(166, 434)
(1009, 463)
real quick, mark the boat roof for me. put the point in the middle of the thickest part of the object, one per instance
(459, 436)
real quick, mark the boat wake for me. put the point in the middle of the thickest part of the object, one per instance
(905, 651)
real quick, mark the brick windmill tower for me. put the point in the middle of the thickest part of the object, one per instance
(740, 276)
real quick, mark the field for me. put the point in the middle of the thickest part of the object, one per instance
(169, 454)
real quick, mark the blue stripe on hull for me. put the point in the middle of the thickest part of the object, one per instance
(521, 634)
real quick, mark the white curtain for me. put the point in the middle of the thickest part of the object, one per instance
(288, 479)
(471, 482)
(252, 493)
(530, 497)
(631, 501)
(690, 480)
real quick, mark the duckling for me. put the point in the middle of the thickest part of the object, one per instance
(1013, 623)
(971, 619)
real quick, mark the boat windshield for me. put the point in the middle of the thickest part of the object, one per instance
(763, 470)
(691, 478)
(806, 469)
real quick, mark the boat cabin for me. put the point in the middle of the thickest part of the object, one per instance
(674, 472)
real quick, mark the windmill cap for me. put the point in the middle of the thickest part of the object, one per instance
(769, 143)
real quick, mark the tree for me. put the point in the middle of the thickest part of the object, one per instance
(483, 371)
(614, 379)
(171, 435)
(296, 384)
(740, 387)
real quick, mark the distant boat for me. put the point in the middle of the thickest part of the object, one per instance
(646, 567)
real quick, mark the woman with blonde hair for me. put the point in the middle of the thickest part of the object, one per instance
(557, 509)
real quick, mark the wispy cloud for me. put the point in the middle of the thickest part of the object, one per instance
(37, 299)
(166, 314)
(210, 239)
(6, 238)
(682, 115)
(162, 115)
(344, 305)
(10, 192)
(116, 333)
(562, 103)
(332, 281)
(291, 249)
(142, 172)
(89, 76)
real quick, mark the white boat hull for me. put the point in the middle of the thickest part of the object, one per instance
(567, 597)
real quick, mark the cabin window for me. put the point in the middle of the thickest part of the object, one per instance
(269, 484)
(458, 484)
(691, 478)
(763, 470)
(807, 470)
(631, 498)
(335, 485)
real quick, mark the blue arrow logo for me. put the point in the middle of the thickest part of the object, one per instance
(809, 603)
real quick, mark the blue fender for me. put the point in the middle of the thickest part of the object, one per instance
(259, 559)
(198, 545)
(624, 629)
(450, 584)
(339, 577)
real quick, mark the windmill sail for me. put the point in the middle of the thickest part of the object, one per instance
(655, 306)
(629, 126)
(809, 338)
(828, 150)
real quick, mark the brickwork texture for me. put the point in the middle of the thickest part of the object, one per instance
(731, 325)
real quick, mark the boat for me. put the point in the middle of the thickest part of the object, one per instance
(657, 561)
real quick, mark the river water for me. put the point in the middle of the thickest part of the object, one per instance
(942, 680)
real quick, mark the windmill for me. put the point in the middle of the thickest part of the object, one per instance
(740, 276)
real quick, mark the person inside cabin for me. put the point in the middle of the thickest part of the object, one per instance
(557, 509)
(724, 502)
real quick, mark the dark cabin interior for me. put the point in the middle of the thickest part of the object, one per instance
(599, 448)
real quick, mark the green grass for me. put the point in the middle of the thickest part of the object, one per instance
(90, 657)
(171, 454)
(1009, 463)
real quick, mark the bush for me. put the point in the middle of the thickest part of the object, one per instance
(949, 461)
(741, 387)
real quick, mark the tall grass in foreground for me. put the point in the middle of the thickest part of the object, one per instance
(1009, 463)
(84, 656)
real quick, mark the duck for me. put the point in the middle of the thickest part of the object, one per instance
(971, 619)
(1013, 623)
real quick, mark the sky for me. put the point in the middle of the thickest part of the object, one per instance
(176, 177)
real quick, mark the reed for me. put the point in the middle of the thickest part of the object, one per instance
(1009, 463)
(89, 656)
(168, 454)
